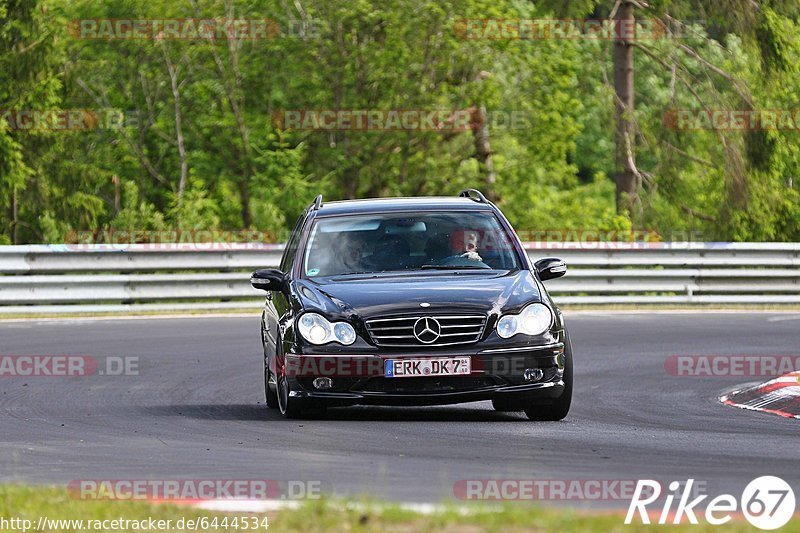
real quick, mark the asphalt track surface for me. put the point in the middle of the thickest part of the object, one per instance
(195, 411)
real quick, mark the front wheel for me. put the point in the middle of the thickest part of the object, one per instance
(558, 409)
(288, 406)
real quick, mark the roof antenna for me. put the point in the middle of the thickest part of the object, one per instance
(318, 202)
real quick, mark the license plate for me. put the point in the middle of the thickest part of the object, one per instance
(440, 366)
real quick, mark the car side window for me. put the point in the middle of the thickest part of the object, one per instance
(287, 261)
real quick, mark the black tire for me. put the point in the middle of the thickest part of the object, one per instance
(290, 408)
(558, 409)
(270, 396)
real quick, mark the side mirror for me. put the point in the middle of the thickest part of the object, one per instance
(550, 268)
(268, 279)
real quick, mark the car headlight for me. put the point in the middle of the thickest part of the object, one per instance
(317, 330)
(535, 319)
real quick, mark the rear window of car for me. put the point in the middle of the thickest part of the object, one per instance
(388, 242)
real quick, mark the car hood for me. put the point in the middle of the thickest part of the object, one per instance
(485, 293)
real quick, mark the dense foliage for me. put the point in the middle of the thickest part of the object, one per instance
(198, 147)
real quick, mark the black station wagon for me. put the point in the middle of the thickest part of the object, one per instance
(412, 301)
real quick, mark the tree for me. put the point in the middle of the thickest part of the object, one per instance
(28, 81)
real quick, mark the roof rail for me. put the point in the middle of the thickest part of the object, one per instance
(317, 202)
(479, 197)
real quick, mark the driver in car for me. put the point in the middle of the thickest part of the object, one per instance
(461, 245)
(466, 244)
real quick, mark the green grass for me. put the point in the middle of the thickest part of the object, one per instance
(337, 515)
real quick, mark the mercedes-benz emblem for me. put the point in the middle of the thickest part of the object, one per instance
(427, 330)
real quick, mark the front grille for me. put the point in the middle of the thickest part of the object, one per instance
(399, 331)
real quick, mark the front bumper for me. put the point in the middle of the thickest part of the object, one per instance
(496, 374)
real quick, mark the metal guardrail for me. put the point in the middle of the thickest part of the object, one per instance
(92, 278)
(67, 258)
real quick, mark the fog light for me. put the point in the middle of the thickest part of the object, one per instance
(323, 383)
(533, 374)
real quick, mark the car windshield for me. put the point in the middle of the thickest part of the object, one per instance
(359, 244)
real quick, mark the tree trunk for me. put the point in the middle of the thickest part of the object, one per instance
(244, 197)
(15, 217)
(176, 97)
(483, 150)
(117, 194)
(627, 190)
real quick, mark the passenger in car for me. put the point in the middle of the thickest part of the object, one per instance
(348, 256)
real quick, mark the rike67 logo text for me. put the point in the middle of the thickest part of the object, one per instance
(767, 502)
